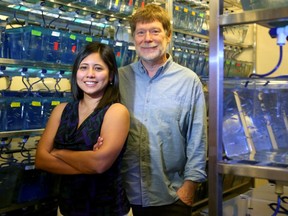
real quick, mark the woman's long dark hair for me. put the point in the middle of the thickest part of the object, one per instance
(112, 93)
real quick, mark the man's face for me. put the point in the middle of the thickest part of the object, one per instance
(151, 41)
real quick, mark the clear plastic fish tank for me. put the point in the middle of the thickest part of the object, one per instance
(263, 4)
(255, 122)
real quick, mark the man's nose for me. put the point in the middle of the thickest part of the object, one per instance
(148, 36)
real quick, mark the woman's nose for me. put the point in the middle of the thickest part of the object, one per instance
(90, 72)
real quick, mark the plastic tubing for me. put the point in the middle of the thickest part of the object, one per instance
(278, 205)
(274, 69)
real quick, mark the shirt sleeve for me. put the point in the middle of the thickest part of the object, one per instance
(196, 150)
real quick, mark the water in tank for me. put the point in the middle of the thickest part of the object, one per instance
(33, 113)
(263, 4)
(127, 7)
(13, 45)
(255, 122)
(15, 113)
(3, 109)
(52, 46)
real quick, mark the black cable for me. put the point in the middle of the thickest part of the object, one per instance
(25, 83)
(90, 27)
(43, 18)
(57, 84)
(31, 85)
(9, 84)
(116, 33)
(15, 17)
(45, 85)
(28, 81)
(103, 31)
(53, 20)
(23, 149)
(66, 27)
(4, 145)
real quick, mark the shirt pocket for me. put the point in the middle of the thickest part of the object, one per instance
(168, 110)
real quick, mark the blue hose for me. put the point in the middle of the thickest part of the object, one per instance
(278, 206)
(272, 71)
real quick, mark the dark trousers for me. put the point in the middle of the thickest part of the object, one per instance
(176, 209)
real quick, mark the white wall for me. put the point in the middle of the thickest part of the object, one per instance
(17, 84)
(267, 53)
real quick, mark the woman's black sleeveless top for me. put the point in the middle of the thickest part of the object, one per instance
(88, 194)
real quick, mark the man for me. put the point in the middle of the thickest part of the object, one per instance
(166, 150)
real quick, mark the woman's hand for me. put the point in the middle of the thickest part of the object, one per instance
(98, 144)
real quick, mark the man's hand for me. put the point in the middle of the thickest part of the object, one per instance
(186, 192)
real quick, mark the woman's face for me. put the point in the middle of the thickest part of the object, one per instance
(93, 76)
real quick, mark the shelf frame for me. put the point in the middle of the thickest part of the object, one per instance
(20, 133)
(216, 75)
(217, 166)
(270, 18)
(262, 171)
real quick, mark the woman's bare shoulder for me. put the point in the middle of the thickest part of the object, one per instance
(118, 108)
(61, 106)
(59, 109)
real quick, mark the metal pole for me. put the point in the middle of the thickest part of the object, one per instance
(215, 88)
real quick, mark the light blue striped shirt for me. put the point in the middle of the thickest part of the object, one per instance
(167, 142)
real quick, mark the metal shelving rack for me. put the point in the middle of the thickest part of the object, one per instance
(217, 167)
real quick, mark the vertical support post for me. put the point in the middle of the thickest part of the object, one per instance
(254, 47)
(169, 8)
(215, 88)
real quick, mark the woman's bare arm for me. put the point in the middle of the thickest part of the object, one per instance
(114, 132)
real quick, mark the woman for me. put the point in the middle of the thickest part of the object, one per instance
(91, 183)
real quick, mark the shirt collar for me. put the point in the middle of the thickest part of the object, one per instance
(161, 69)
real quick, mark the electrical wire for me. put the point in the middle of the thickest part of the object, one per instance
(90, 27)
(118, 29)
(28, 81)
(74, 20)
(31, 85)
(5, 143)
(43, 18)
(43, 81)
(57, 85)
(23, 149)
(10, 159)
(25, 83)
(274, 69)
(15, 17)
(197, 58)
(49, 25)
(103, 30)
(9, 83)
(236, 53)
(117, 32)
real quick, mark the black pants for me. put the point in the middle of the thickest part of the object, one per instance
(176, 209)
